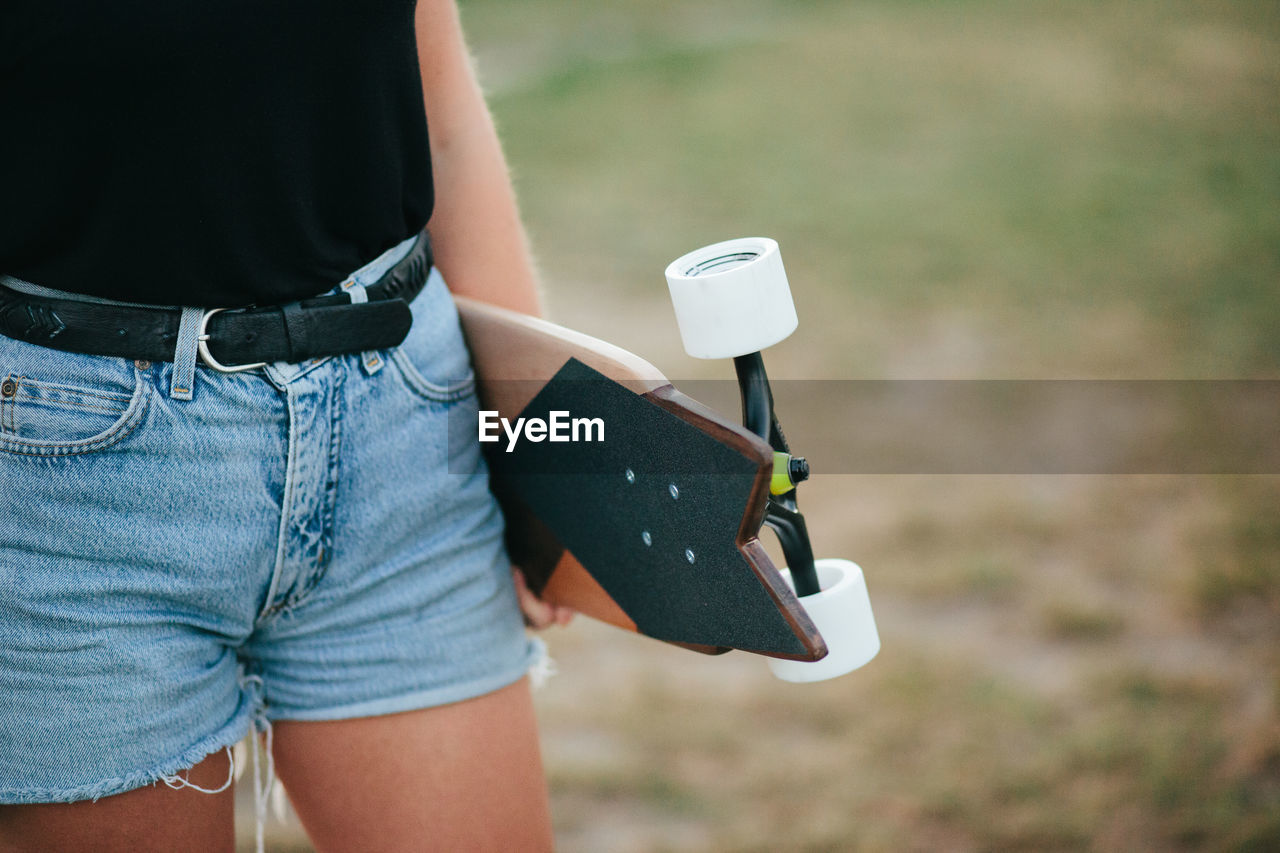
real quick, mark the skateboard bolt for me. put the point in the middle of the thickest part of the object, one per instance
(675, 494)
(631, 476)
(688, 555)
(798, 469)
(646, 537)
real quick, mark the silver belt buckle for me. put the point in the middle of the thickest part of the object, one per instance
(202, 339)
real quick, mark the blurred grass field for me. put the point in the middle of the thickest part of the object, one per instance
(961, 189)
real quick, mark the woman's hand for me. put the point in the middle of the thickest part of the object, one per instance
(538, 614)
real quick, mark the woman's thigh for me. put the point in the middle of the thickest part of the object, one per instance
(465, 776)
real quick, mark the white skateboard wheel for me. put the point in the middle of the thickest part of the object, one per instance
(731, 298)
(842, 614)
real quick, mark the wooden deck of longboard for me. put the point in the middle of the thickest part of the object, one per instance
(515, 357)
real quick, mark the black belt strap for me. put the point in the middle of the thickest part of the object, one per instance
(311, 328)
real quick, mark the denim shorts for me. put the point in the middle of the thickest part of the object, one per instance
(293, 542)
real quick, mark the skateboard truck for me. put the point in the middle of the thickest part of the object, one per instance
(732, 300)
(782, 514)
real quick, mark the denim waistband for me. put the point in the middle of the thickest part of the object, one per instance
(186, 348)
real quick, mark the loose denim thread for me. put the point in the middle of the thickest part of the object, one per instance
(177, 781)
(543, 667)
(261, 787)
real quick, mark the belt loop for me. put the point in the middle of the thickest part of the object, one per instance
(370, 360)
(185, 353)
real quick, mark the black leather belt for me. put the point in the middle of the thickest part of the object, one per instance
(230, 339)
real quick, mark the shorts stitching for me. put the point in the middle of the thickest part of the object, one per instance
(83, 392)
(427, 390)
(115, 434)
(54, 403)
(270, 607)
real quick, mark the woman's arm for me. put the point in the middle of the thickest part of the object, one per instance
(477, 238)
(476, 235)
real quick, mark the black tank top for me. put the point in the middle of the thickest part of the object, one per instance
(207, 152)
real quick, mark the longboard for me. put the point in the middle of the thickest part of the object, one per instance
(653, 528)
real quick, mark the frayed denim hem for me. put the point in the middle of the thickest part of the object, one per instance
(162, 773)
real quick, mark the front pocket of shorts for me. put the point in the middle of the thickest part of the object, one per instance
(433, 360)
(45, 418)
(439, 391)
